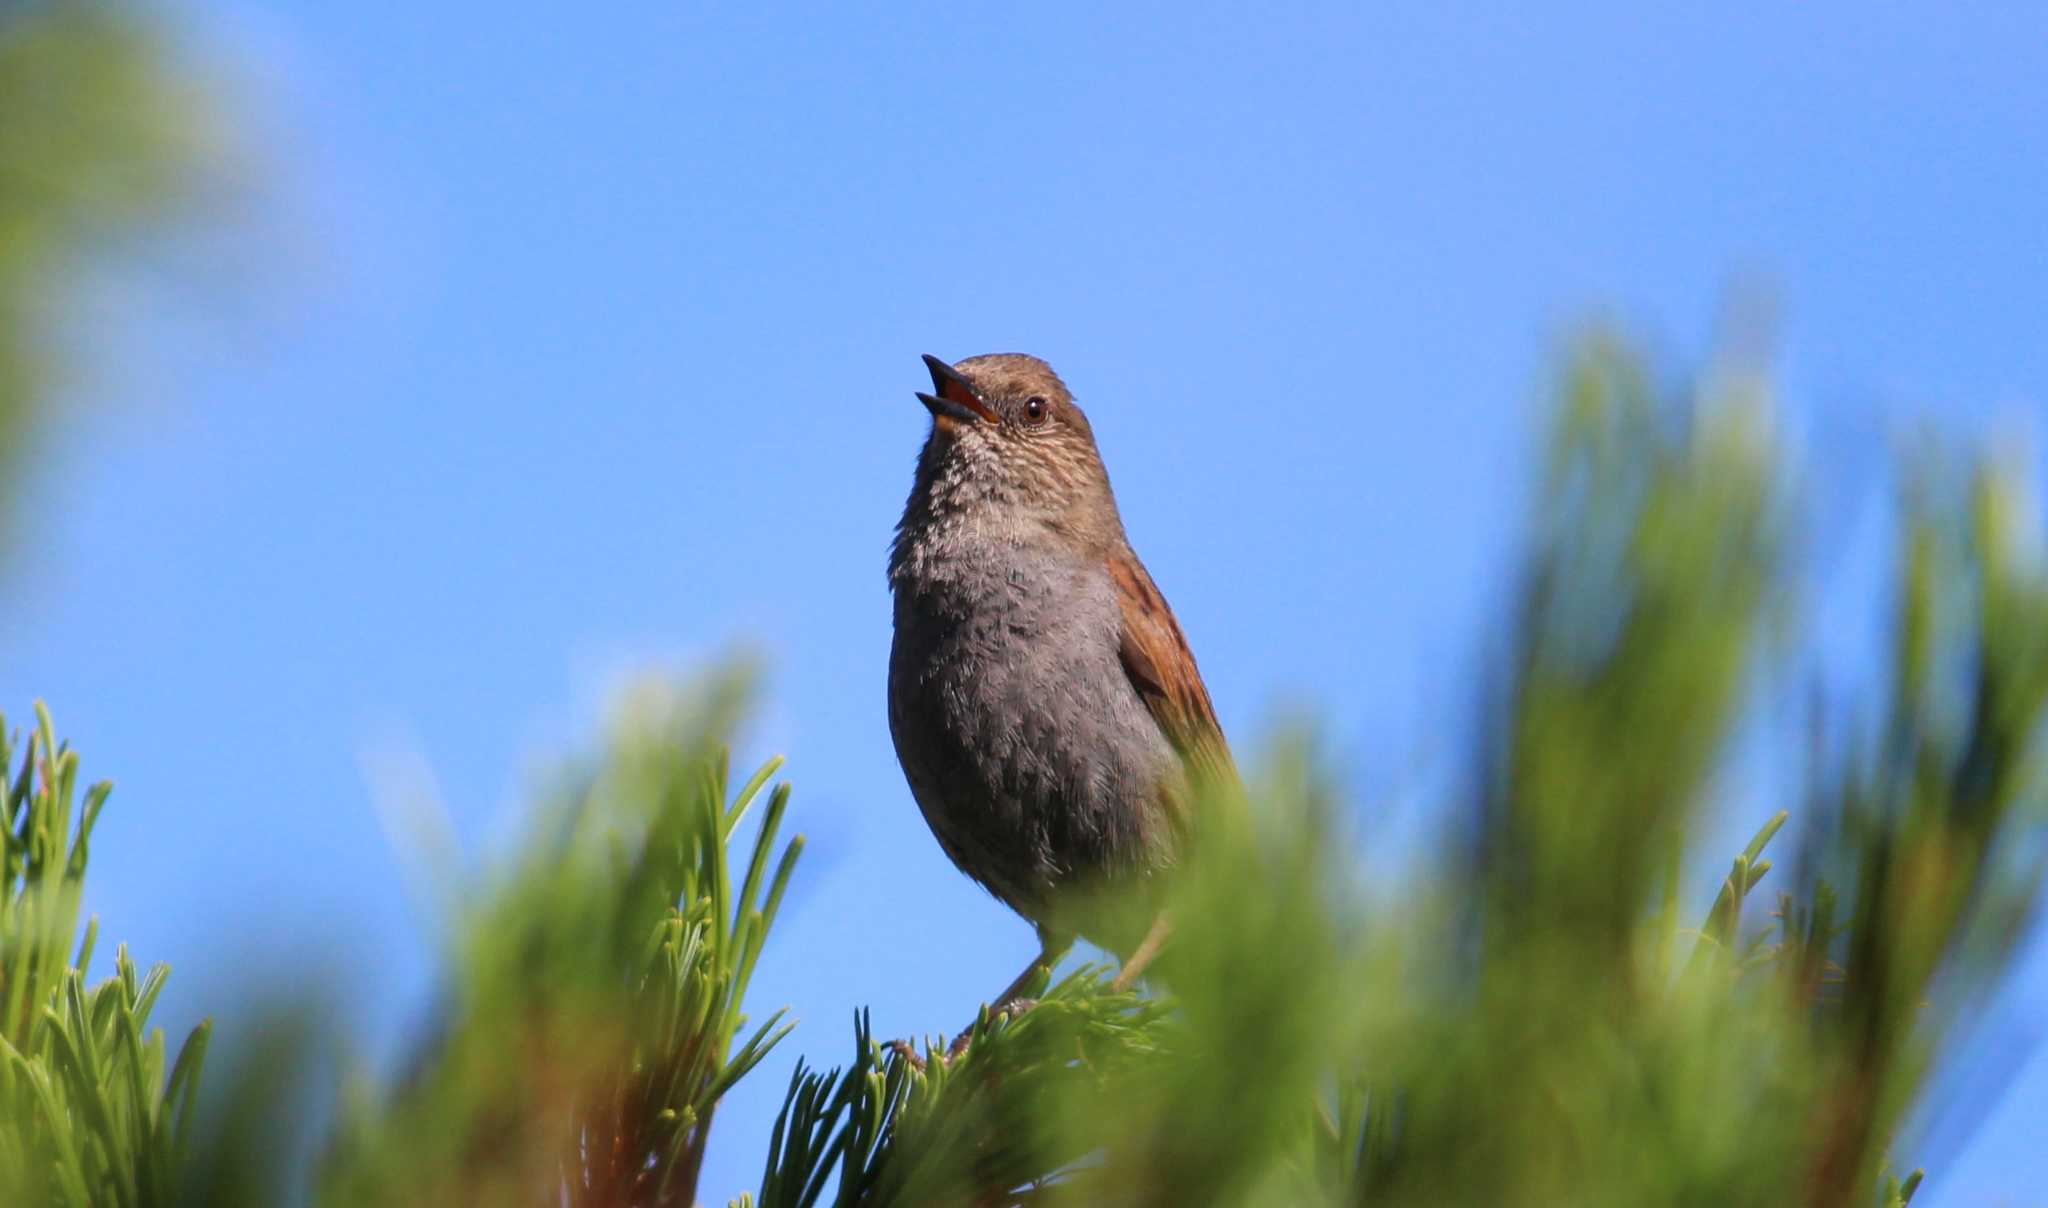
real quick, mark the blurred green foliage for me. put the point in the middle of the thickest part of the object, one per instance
(595, 988)
(101, 138)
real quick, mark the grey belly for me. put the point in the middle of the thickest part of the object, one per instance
(1035, 763)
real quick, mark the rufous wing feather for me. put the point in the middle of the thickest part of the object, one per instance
(1161, 667)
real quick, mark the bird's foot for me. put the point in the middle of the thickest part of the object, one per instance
(909, 1053)
(1006, 1011)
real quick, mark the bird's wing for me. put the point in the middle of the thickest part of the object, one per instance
(1161, 667)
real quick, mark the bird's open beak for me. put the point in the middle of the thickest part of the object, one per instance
(954, 397)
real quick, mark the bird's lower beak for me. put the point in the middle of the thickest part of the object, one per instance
(953, 396)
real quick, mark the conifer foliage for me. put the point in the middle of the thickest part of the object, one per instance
(1547, 1004)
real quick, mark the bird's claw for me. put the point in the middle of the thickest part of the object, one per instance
(1007, 1011)
(909, 1053)
(916, 1060)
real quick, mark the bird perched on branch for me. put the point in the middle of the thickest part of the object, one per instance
(1044, 703)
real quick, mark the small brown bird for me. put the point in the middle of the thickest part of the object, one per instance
(1043, 702)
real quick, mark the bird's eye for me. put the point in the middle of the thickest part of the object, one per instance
(1034, 410)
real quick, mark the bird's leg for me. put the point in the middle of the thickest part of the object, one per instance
(1141, 956)
(1051, 948)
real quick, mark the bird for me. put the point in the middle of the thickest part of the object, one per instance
(1043, 701)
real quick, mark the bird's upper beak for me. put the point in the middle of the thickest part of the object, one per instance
(954, 397)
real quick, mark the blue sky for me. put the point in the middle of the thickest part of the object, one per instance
(554, 347)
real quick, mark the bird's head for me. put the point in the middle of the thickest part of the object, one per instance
(1006, 433)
